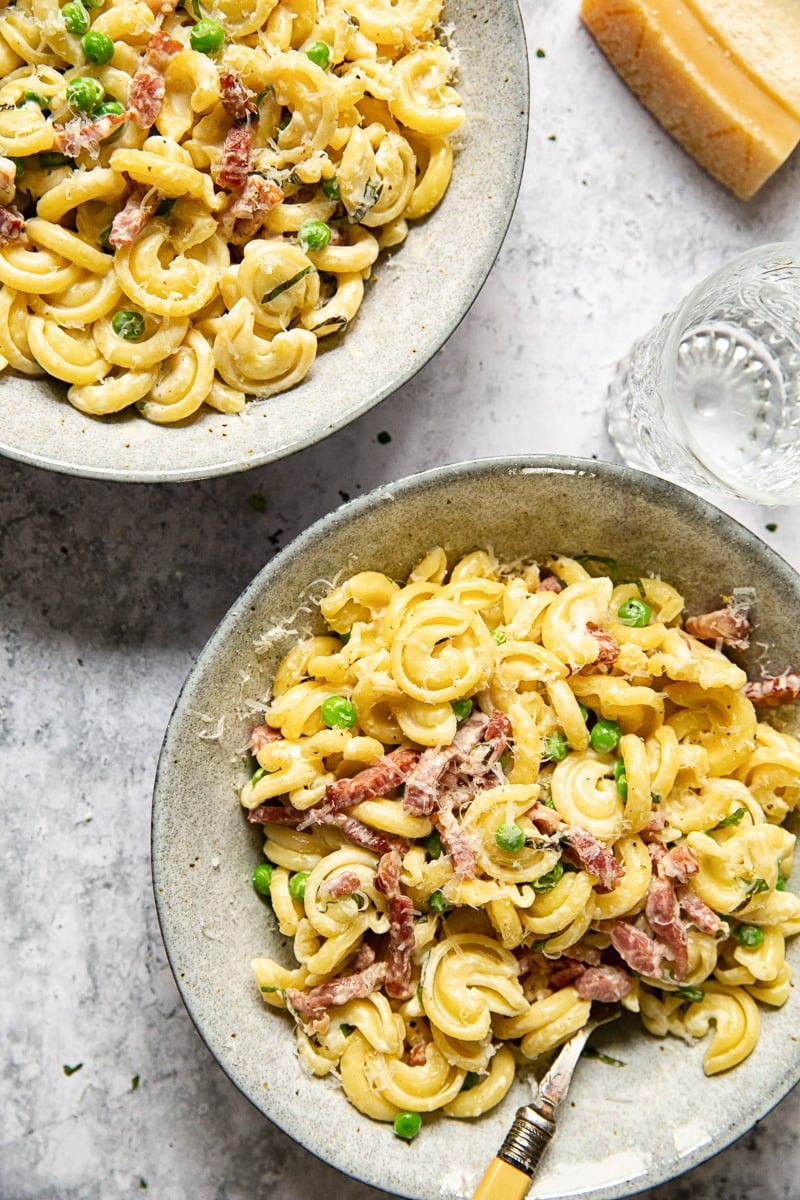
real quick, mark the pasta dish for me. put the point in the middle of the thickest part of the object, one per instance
(193, 193)
(492, 795)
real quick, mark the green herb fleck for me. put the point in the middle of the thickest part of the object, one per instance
(259, 502)
(732, 818)
(696, 995)
(608, 1059)
(134, 1083)
(772, 526)
(540, 53)
(71, 1070)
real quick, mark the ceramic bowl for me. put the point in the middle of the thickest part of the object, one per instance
(406, 317)
(624, 1129)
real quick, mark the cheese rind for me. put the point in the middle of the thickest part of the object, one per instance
(708, 98)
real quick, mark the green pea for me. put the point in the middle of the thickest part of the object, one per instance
(207, 37)
(330, 188)
(433, 845)
(76, 17)
(605, 736)
(109, 108)
(635, 613)
(749, 935)
(29, 97)
(780, 884)
(128, 324)
(555, 746)
(297, 884)
(510, 836)
(437, 902)
(338, 713)
(262, 878)
(407, 1125)
(313, 235)
(462, 708)
(84, 93)
(499, 636)
(584, 712)
(621, 778)
(546, 883)
(98, 48)
(320, 53)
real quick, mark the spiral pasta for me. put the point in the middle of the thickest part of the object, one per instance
(492, 795)
(221, 179)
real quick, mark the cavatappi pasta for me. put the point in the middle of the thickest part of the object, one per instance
(491, 796)
(193, 194)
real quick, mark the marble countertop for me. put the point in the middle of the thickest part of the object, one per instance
(109, 591)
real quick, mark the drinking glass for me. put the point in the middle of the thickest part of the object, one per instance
(711, 396)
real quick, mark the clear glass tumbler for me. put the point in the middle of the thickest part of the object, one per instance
(711, 396)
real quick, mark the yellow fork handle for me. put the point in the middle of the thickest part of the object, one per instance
(503, 1182)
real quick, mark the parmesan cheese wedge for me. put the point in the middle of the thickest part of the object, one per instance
(721, 76)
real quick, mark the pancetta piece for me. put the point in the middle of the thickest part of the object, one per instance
(345, 883)
(595, 858)
(387, 876)
(262, 735)
(12, 224)
(730, 625)
(78, 134)
(376, 780)
(774, 690)
(358, 833)
(456, 842)
(426, 782)
(337, 991)
(549, 583)
(699, 913)
(608, 648)
(247, 210)
(401, 945)
(642, 953)
(608, 984)
(275, 814)
(679, 864)
(132, 219)
(663, 914)
(237, 99)
(148, 88)
(236, 160)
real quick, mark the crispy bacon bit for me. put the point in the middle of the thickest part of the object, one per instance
(643, 954)
(78, 134)
(345, 883)
(566, 973)
(148, 88)
(387, 876)
(663, 914)
(262, 735)
(401, 946)
(730, 625)
(608, 984)
(546, 820)
(357, 831)
(247, 211)
(425, 783)
(364, 957)
(237, 99)
(457, 843)
(679, 863)
(418, 1055)
(275, 814)
(234, 166)
(608, 651)
(656, 824)
(12, 224)
(337, 991)
(131, 220)
(595, 858)
(550, 583)
(699, 913)
(383, 776)
(773, 690)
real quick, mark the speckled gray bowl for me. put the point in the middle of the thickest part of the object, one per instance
(625, 1129)
(410, 309)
